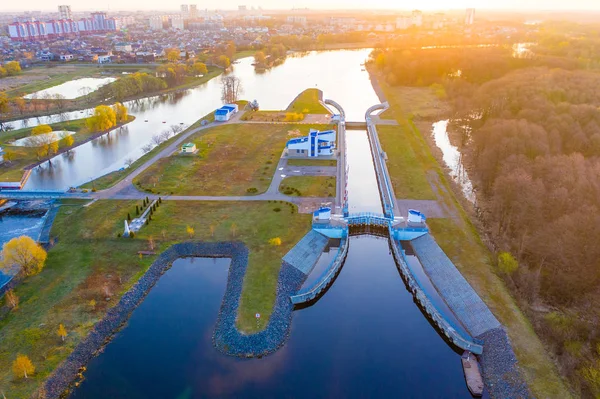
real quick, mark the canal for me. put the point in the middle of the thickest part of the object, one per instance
(364, 338)
(338, 73)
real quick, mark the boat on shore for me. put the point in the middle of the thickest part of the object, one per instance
(472, 373)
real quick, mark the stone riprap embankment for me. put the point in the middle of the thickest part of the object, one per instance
(64, 375)
(500, 368)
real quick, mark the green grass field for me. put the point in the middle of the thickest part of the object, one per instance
(409, 153)
(232, 159)
(311, 162)
(89, 263)
(308, 186)
(308, 101)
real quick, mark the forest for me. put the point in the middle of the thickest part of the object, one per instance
(529, 132)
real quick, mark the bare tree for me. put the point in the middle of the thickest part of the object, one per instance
(176, 129)
(128, 162)
(157, 139)
(60, 101)
(231, 88)
(147, 148)
(164, 135)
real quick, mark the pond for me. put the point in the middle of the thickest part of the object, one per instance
(338, 73)
(72, 89)
(42, 138)
(453, 159)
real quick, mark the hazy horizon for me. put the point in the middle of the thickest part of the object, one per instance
(425, 5)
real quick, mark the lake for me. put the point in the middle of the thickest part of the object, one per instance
(72, 89)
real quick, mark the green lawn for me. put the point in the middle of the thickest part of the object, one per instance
(89, 262)
(308, 186)
(308, 101)
(56, 76)
(409, 161)
(232, 159)
(406, 161)
(311, 162)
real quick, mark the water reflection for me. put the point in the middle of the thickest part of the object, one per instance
(453, 159)
(337, 73)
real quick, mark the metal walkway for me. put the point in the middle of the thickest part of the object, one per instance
(306, 252)
(452, 286)
(454, 333)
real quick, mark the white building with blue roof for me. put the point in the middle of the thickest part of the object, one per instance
(225, 113)
(315, 144)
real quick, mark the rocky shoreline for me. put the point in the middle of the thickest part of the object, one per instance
(226, 337)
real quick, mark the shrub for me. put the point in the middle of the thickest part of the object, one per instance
(252, 190)
(275, 241)
(277, 209)
(131, 234)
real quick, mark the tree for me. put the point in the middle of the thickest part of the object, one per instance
(260, 58)
(43, 140)
(3, 72)
(120, 112)
(507, 263)
(230, 49)
(190, 231)
(223, 61)
(60, 101)
(12, 68)
(173, 55)
(20, 104)
(199, 68)
(62, 332)
(12, 299)
(275, 241)
(25, 254)
(68, 140)
(103, 119)
(233, 229)
(22, 367)
(9, 156)
(4, 103)
(231, 89)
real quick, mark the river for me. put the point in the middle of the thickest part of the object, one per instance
(364, 338)
(337, 73)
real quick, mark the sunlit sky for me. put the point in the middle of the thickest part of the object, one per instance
(83, 5)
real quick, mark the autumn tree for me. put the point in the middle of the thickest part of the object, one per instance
(260, 58)
(223, 61)
(68, 140)
(507, 264)
(199, 68)
(104, 118)
(173, 55)
(4, 103)
(22, 366)
(12, 299)
(233, 229)
(12, 68)
(275, 241)
(20, 103)
(62, 332)
(23, 254)
(190, 231)
(120, 112)
(44, 140)
(9, 156)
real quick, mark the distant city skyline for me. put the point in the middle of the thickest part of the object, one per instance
(426, 5)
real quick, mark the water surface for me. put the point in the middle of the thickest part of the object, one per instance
(72, 89)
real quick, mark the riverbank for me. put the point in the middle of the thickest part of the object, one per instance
(406, 147)
(26, 154)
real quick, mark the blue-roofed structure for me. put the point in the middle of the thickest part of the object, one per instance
(315, 144)
(225, 113)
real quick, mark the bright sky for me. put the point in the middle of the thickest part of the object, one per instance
(83, 5)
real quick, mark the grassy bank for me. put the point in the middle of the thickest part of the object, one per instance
(90, 263)
(308, 186)
(232, 159)
(408, 151)
(307, 102)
